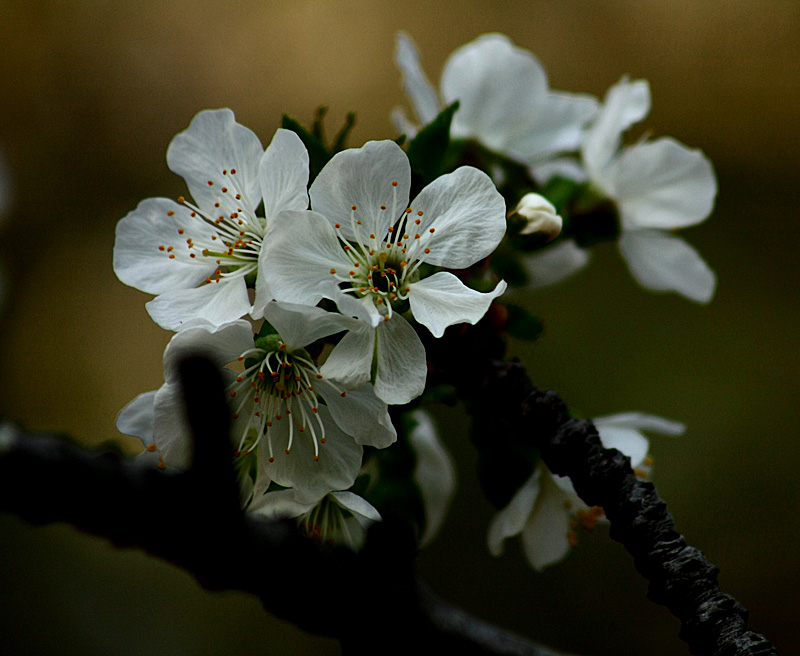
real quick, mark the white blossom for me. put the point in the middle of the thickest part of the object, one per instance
(196, 256)
(547, 512)
(657, 186)
(336, 517)
(364, 246)
(505, 101)
(305, 430)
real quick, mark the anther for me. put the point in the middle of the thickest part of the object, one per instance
(354, 208)
(210, 183)
(394, 183)
(383, 207)
(171, 213)
(333, 271)
(427, 250)
(151, 447)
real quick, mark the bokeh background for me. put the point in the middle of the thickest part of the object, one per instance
(93, 91)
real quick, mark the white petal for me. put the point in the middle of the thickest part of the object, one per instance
(663, 262)
(363, 177)
(434, 473)
(357, 505)
(283, 172)
(416, 84)
(350, 362)
(625, 103)
(214, 142)
(136, 418)
(640, 421)
(338, 465)
(402, 123)
(296, 260)
(300, 325)
(138, 260)
(627, 441)
(443, 300)
(511, 520)
(544, 537)
(360, 414)
(171, 428)
(555, 263)
(501, 89)
(663, 184)
(467, 215)
(564, 167)
(558, 127)
(220, 344)
(402, 366)
(280, 503)
(215, 302)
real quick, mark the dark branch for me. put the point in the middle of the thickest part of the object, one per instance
(193, 520)
(712, 622)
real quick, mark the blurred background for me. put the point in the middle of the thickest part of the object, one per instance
(94, 91)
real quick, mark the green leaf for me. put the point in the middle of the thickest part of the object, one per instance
(522, 324)
(427, 150)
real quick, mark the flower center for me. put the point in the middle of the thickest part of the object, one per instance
(229, 232)
(383, 265)
(277, 385)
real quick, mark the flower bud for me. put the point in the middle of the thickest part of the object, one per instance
(539, 216)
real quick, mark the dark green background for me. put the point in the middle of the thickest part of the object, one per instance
(94, 91)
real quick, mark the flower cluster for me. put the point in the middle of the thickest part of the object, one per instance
(313, 276)
(651, 187)
(308, 386)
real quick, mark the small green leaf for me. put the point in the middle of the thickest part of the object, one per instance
(427, 150)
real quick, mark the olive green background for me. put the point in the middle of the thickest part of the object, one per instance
(94, 91)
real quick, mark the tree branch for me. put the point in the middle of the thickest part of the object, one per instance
(193, 520)
(712, 622)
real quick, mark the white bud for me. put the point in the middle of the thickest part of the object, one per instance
(539, 215)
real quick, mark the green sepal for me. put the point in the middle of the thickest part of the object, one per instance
(521, 324)
(442, 393)
(426, 151)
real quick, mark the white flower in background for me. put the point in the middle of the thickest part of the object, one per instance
(504, 96)
(363, 246)
(195, 256)
(434, 474)
(337, 517)
(546, 510)
(306, 431)
(658, 186)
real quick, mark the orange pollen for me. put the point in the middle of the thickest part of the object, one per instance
(391, 230)
(333, 270)
(322, 439)
(418, 221)
(161, 248)
(352, 273)
(343, 394)
(238, 197)
(354, 208)
(432, 230)
(238, 379)
(337, 226)
(170, 213)
(172, 256)
(151, 447)
(427, 250)
(233, 171)
(210, 183)
(287, 452)
(383, 207)
(408, 210)
(233, 393)
(316, 458)
(394, 183)
(372, 236)
(181, 199)
(419, 213)
(217, 205)
(271, 459)
(416, 236)
(192, 255)
(193, 214)
(224, 190)
(170, 249)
